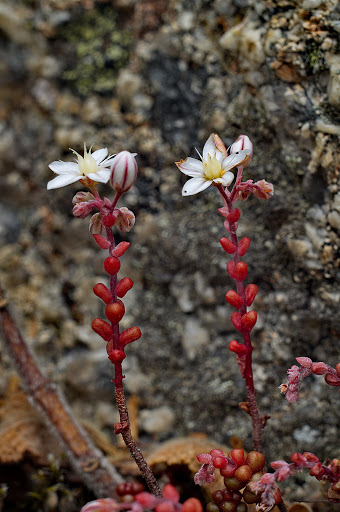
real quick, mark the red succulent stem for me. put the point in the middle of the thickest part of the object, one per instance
(124, 426)
(227, 198)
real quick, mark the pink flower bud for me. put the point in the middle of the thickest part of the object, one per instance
(170, 493)
(243, 143)
(263, 189)
(83, 197)
(82, 209)
(204, 458)
(123, 171)
(96, 225)
(101, 241)
(125, 220)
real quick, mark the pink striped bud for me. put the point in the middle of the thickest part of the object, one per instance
(243, 245)
(243, 143)
(227, 245)
(251, 292)
(82, 210)
(332, 380)
(123, 171)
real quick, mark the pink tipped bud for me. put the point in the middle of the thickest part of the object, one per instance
(251, 292)
(234, 299)
(130, 335)
(117, 356)
(243, 245)
(263, 189)
(112, 265)
(243, 143)
(125, 219)
(123, 171)
(227, 245)
(102, 505)
(319, 368)
(101, 241)
(121, 249)
(306, 362)
(124, 286)
(109, 220)
(249, 320)
(238, 348)
(234, 215)
(236, 320)
(230, 269)
(332, 380)
(102, 328)
(240, 271)
(83, 196)
(102, 292)
(82, 210)
(115, 312)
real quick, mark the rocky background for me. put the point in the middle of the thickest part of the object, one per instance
(157, 77)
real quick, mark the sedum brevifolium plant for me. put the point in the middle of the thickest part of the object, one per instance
(245, 481)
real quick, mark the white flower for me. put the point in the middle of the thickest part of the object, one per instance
(95, 166)
(214, 167)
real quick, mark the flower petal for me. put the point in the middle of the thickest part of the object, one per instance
(226, 179)
(194, 186)
(63, 180)
(102, 176)
(234, 159)
(191, 167)
(214, 147)
(60, 167)
(100, 155)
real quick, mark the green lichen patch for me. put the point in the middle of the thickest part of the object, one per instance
(99, 48)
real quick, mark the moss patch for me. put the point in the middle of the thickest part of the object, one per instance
(99, 49)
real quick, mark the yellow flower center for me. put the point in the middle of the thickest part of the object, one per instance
(212, 168)
(86, 163)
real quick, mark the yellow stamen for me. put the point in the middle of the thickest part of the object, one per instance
(212, 168)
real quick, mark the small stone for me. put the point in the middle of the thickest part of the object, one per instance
(334, 79)
(195, 337)
(334, 219)
(157, 421)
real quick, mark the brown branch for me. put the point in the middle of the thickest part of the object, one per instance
(93, 467)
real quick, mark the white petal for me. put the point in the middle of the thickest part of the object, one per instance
(234, 159)
(194, 186)
(191, 167)
(100, 154)
(60, 167)
(101, 176)
(226, 179)
(62, 181)
(209, 148)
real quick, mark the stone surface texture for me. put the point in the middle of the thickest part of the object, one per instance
(156, 79)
